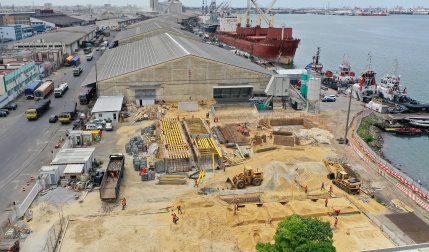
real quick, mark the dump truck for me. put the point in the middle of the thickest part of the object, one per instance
(41, 92)
(59, 91)
(69, 113)
(109, 188)
(9, 245)
(247, 177)
(37, 109)
(347, 183)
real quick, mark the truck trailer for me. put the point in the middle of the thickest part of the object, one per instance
(41, 92)
(29, 91)
(37, 109)
(109, 188)
(59, 92)
(75, 61)
(69, 113)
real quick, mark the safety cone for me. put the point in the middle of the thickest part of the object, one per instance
(23, 189)
(28, 183)
(31, 178)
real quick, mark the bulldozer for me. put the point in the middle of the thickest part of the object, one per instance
(346, 183)
(247, 177)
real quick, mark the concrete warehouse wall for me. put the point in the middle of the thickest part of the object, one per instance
(172, 82)
(141, 36)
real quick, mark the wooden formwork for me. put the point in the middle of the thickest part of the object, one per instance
(176, 149)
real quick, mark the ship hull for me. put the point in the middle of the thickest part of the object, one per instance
(276, 50)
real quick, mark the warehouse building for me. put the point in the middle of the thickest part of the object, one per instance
(172, 68)
(67, 39)
(150, 29)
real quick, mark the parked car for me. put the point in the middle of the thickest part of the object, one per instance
(3, 114)
(77, 123)
(53, 118)
(5, 110)
(98, 121)
(328, 99)
(92, 126)
(11, 106)
(109, 126)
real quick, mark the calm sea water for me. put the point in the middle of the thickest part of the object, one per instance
(401, 37)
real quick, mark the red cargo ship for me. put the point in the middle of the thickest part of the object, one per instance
(273, 44)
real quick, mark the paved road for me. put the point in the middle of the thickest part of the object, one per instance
(25, 145)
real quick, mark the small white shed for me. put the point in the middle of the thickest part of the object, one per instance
(52, 172)
(108, 107)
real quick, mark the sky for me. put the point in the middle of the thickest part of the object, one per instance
(240, 3)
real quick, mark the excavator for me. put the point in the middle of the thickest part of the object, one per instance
(247, 177)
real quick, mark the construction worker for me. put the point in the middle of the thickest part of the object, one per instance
(326, 202)
(124, 203)
(235, 208)
(306, 189)
(179, 209)
(335, 222)
(207, 115)
(323, 186)
(337, 212)
(112, 174)
(174, 218)
(223, 166)
(196, 183)
(331, 189)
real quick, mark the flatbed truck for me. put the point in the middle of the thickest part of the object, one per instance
(109, 188)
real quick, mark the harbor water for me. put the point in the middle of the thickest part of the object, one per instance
(401, 37)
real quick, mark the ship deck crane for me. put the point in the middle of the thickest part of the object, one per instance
(270, 21)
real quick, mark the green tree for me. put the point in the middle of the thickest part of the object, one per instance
(299, 234)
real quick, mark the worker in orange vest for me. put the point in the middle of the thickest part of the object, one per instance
(331, 189)
(336, 222)
(306, 189)
(337, 211)
(326, 202)
(196, 183)
(174, 218)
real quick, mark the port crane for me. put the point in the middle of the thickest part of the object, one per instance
(261, 13)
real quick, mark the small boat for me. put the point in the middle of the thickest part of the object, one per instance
(407, 131)
(419, 123)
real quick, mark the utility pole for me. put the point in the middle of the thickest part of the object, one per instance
(348, 115)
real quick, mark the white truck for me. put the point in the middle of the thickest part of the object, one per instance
(89, 57)
(60, 90)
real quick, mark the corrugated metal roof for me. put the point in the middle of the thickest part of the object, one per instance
(48, 168)
(159, 49)
(108, 103)
(149, 27)
(64, 35)
(73, 156)
(74, 168)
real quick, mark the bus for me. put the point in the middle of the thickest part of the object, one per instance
(29, 91)
(86, 96)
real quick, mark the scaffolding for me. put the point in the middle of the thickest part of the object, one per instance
(176, 150)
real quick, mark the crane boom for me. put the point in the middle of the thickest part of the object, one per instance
(262, 14)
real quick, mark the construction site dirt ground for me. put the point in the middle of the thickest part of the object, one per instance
(208, 222)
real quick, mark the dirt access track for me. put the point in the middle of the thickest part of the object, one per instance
(208, 223)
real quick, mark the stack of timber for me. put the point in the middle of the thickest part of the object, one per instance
(172, 179)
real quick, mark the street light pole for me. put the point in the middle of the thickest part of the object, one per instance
(348, 115)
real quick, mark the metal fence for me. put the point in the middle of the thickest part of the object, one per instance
(21, 209)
